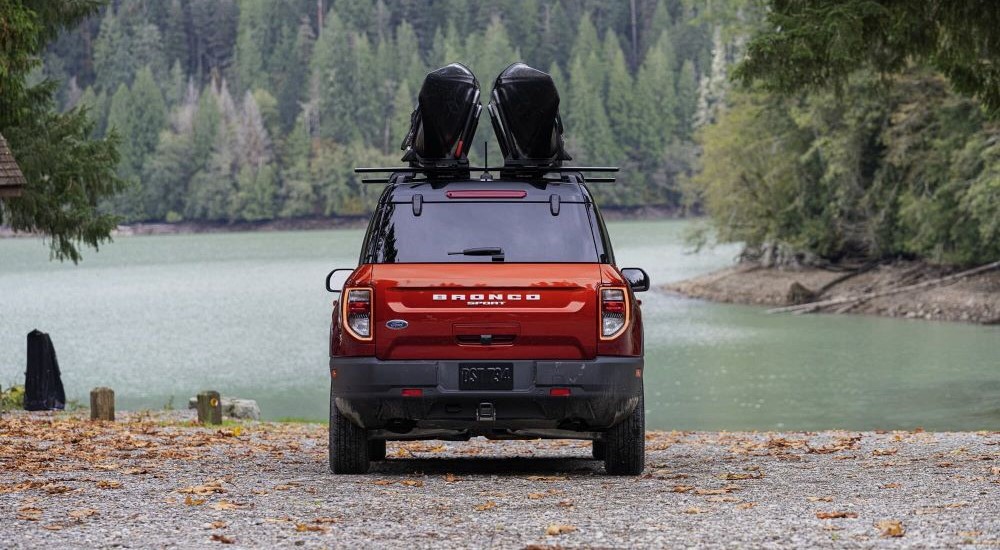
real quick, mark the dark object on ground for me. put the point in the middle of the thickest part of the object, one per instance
(524, 108)
(43, 389)
(102, 404)
(444, 122)
(799, 294)
(209, 407)
(243, 409)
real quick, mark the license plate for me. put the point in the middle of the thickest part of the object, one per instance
(485, 376)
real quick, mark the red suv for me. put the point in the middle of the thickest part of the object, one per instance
(486, 307)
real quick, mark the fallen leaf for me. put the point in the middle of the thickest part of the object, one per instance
(53, 527)
(546, 478)
(555, 529)
(721, 499)
(29, 513)
(108, 484)
(740, 476)
(217, 525)
(536, 496)
(969, 534)
(820, 499)
(204, 489)
(376, 482)
(836, 515)
(218, 537)
(945, 464)
(193, 501)
(884, 452)
(681, 488)
(746, 505)
(54, 489)
(451, 478)
(226, 505)
(720, 491)
(326, 520)
(891, 528)
(82, 513)
(285, 487)
(488, 505)
(695, 510)
(995, 470)
(412, 483)
(565, 503)
(891, 486)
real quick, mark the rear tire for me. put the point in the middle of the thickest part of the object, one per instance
(376, 449)
(625, 444)
(349, 451)
(598, 449)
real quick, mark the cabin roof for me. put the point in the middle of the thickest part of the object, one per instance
(11, 179)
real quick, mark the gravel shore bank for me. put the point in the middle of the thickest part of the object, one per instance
(160, 482)
(972, 300)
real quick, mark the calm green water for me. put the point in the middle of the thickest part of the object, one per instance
(160, 318)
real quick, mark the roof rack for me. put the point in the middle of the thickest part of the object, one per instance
(409, 174)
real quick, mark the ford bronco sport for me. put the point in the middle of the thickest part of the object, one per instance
(486, 307)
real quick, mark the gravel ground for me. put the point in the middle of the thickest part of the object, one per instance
(161, 482)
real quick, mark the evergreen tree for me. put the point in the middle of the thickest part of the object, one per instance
(687, 99)
(654, 102)
(587, 123)
(618, 90)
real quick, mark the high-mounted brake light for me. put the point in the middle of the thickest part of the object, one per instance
(358, 313)
(486, 194)
(614, 312)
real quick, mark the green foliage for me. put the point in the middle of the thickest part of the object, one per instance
(173, 77)
(68, 172)
(881, 169)
(815, 43)
(12, 398)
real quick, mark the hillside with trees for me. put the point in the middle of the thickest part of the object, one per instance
(260, 109)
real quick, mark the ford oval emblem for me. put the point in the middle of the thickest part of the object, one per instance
(397, 324)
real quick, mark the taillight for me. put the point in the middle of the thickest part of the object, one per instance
(614, 312)
(358, 312)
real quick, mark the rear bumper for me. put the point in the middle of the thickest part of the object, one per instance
(603, 392)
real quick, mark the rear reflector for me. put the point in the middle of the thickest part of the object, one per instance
(486, 194)
(559, 392)
(413, 392)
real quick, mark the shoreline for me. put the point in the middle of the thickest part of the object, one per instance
(321, 223)
(975, 299)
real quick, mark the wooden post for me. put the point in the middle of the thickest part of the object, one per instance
(102, 404)
(209, 407)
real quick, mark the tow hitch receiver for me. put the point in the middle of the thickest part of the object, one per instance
(486, 412)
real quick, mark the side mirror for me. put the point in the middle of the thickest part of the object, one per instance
(637, 278)
(331, 279)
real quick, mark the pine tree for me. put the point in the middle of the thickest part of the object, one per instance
(618, 90)
(655, 102)
(587, 124)
(112, 58)
(687, 99)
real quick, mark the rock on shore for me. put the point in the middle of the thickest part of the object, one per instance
(974, 300)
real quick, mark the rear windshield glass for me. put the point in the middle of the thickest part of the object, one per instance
(477, 231)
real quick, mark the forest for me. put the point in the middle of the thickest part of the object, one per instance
(260, 109)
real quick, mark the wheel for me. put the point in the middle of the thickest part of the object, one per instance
(349, 450)
(625, 444)
(598, 449)
(376, 449)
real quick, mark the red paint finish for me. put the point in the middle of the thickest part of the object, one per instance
(487, 311)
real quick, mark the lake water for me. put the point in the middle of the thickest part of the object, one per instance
(160, 318)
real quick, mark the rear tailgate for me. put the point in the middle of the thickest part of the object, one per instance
(486, 311)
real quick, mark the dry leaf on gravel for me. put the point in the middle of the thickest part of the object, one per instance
(108, 484)
(286, 486)
(81, 513)
(326, 520)
(695, 510)
(54, 489)
(884, 452)
(836, 515)
(193, 501)
(547, 478)
(891, 528)
(681, 488)
(451, 478)
(53, 527)
(746, 505)
(217, 525)
(741, 476)
(222, 538)
(205, 489)
(29, 513)
(488, 505)
(720, 491)
(376, 482)
(536, 496)
(891, 486)
(412, 483)
(721, 499)
(555, 529)
(820, 499)
(565, 503)
(226, 505)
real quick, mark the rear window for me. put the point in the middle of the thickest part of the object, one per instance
(473, 231)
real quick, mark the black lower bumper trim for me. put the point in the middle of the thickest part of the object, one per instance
(602, 392)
